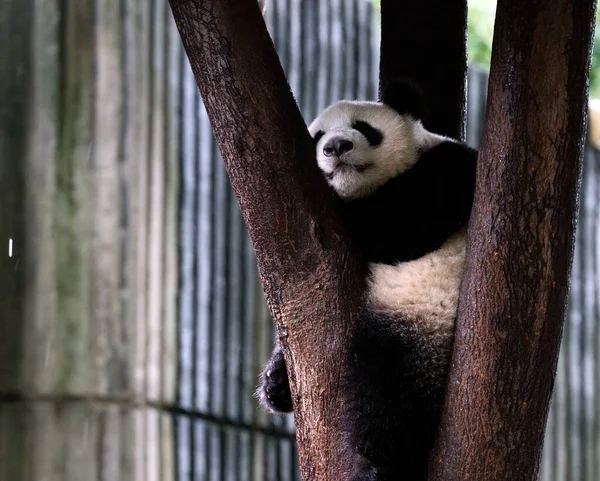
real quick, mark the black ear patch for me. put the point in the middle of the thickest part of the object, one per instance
(405, 97)
(318, 136)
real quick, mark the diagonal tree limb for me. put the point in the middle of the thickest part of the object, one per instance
(513, 295)
(426, 41)
(311, 275)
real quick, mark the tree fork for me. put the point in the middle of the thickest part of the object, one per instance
(426, 41)
(512, 303)
(312, 276)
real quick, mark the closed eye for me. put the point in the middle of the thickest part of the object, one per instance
(318, 136)
(373, 135)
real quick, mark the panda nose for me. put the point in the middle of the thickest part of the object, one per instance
(337, 146)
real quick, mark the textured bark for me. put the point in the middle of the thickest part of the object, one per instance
(512, 303)
(426, 41)
(311, 277)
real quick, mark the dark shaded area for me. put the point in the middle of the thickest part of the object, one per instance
(426, 42)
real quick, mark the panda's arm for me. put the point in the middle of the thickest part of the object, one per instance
(455, 168)
(443, 181)
(274, 388)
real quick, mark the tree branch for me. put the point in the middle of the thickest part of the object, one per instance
(426, 41)
(512, 303)
(310, 273)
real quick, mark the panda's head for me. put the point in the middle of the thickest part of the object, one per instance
(361, 145)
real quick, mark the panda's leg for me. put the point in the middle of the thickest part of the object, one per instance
(392, 411)
(274, 387)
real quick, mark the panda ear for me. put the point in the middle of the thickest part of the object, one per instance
(405, 97)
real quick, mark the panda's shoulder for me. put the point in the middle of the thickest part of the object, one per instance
(446, 160)
(449, 150)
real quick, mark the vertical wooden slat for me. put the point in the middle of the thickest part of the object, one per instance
(300, 57)
(70, 337)
(253, 332)
(141, 31)
(141, 28)
(587, 246)
(110, 444)
(154, 240)
(556, 440)
(105, 183)
(169, 356)
(188, 260)
(342, 54)
(219, 225)
(335, 57)
(184, 447)
(364, 73)
(573, 353)
(595, 237)
(215, 453)
(167, 447)
(323, 38)
(152, 449)
(172, 75)
(201, 459)
(205, 306)
(205, 257)
(312, 53)
(245, 465)
(156, 202)
(475, 105)
(230, 451)
(233, 334)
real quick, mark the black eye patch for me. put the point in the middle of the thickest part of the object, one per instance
(318, 136)
(373, 135)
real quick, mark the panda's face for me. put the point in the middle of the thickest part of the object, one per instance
(361, 145)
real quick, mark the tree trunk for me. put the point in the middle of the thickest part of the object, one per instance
(311, 275)
(512, 303)
(426, 41)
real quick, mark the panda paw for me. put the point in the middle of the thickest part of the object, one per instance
(366, 471)
(274, 387)
(366, 476)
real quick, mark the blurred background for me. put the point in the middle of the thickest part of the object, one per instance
(132, 321)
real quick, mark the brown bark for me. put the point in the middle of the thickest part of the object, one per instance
(311, 276)
(426, 41)
(512, 303)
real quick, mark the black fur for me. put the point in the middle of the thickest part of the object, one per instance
(415, 212)
(274, 386)
(373, 135)
(394, 392)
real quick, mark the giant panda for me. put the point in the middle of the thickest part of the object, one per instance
(406, 195)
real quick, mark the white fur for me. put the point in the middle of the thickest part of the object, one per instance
(403, 136)
(423, 291)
